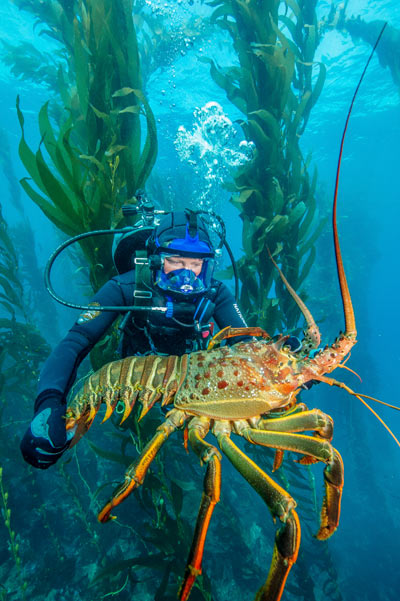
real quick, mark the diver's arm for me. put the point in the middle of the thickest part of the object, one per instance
(46, 439)
(59, 370)
(227, 313)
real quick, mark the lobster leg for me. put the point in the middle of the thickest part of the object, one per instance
(300, 422)
(198, 428)
(136, 472)
(281, 505)
(321, 450)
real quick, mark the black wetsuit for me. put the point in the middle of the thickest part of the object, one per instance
(144, 334)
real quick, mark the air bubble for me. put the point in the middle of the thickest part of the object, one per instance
(211, 148)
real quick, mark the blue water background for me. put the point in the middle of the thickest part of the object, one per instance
(365, 547)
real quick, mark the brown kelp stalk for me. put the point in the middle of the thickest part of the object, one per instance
(275, 85)
(92, 157)
(13, 543)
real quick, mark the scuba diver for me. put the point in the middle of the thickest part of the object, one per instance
(170, 283)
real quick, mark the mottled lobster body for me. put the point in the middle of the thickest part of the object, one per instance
(238, 382)
(248, 389)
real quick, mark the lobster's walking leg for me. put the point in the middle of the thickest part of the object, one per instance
(300, 421)
(313, 419)
(136, 472)
(198, 428)
(281, 505)
(321, 450)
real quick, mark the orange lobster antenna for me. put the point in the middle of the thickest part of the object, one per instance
(378, 401)
(343, 366)
(346, 298)
(333, 382)
(312, 329)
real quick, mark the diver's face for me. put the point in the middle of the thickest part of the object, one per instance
(177, 262)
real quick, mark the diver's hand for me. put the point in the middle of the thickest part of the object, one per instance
(46, 439)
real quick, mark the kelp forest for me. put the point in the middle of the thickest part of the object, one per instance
(95, 145)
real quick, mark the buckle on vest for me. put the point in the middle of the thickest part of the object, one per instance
(142, 294)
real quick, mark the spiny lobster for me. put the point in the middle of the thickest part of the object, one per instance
(249, 389)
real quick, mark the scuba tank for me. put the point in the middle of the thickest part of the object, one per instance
(126, 244)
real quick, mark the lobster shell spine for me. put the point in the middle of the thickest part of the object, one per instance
(148, 379)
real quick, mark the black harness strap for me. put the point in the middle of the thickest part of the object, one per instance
(142, 295)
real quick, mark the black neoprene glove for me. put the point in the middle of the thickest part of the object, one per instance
(46, 438)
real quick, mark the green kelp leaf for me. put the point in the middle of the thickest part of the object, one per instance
(124, 92)
(264, 143)
(271, 315)
(294, 6)
(247, 235)
(12, 295)
(81, 69)
(93, 160)
(311, 241)
(177, 498)
(224, 10)
(319, 84)
(26, 155)
(7, 324)
(249, 283)
(130, 109)
(289, 23)
(155, 561)
(311, 43)
(116, 457)
(309, 217)
(114, 149)
(244, 195)
(56, 150)
(233, 92)
(60, 221)
(162, 539)
(276, 198)
(277, 223)
(307, 265)
(9, 307)
(149, 153)
(186, 485)
(247, 82)
(297, 213)
(55, 189)
(73, 156)
(100, 114)
(9, 272)
(300, 110)
(271, 233)
(269, 123)
(312, 97)
(6, 299)
(215, 2)
(224, 274)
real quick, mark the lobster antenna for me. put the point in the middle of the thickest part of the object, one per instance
(346, 299)
(333, 382)
(374, 413)
(343, 366)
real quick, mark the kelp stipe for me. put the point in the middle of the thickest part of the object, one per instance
(13, 543)
(272, 87)
(96, 153)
